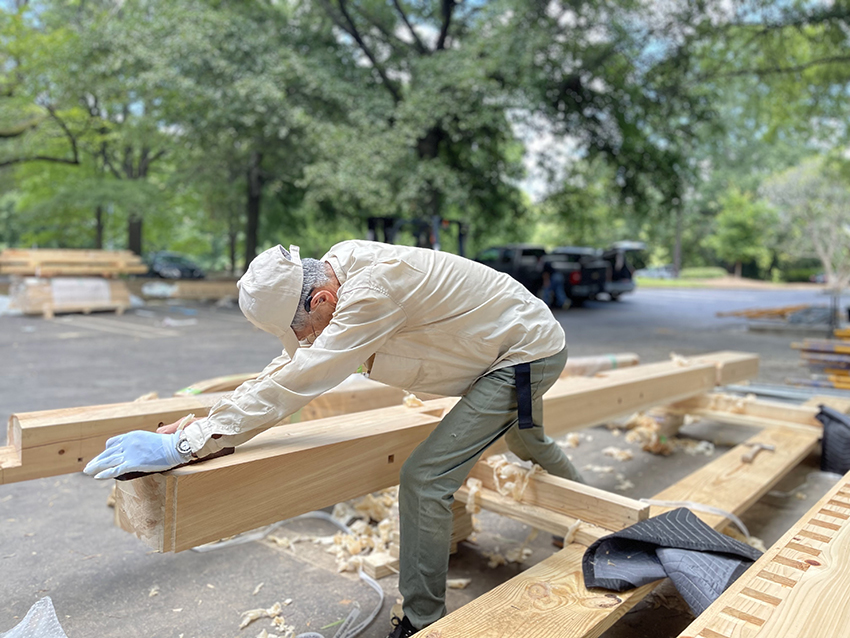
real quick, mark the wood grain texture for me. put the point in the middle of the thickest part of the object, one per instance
(727, 408)
(538, 517)
(549, 600)
(589, 504)
(799, 587)
(45, 262)
(734, 485)
(283, 472)
(726, 483)
(53, 442)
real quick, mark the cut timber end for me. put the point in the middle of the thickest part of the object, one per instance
(140, 508)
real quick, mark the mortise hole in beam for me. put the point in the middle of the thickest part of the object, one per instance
(391, 458)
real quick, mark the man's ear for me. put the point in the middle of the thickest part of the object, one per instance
(323, 296)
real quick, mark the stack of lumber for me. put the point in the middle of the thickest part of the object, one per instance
(828, 361)
(36, 296)
(44, 262)
(48, 281)
(782, 312)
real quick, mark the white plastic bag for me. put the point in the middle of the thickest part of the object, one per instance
(40, 622)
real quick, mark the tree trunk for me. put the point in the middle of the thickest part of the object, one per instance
(738, 268)
(231, 236)
(134, 233)
(428, 148)
(677, 248)
(255, 189)
(98, 227)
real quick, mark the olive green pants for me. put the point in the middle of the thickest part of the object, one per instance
(440, 464)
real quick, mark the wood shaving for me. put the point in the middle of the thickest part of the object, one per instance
(619, 454)
(458, 583)
(680, 361)
(800, 496)
(495, 559)
(511, 479)
(412, 401)
(257, 589)
(753, 541)
(473, 506)
(623, 483)
(570, 535)
(599, 469)
(572, 440)
(154, 591)
(255, 614)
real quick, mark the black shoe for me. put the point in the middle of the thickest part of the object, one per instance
(403, 628)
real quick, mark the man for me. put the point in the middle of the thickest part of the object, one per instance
(418, 319)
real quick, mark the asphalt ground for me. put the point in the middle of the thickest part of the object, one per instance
(56, 534)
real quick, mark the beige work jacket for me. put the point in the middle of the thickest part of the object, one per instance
(435, 322)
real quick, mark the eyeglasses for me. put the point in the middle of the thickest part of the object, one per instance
(308, 300)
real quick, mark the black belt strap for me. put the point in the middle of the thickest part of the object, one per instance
(522, 379)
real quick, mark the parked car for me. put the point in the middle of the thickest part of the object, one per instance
(620, 280)
(520, 261)
(585, 271)
(167, 265)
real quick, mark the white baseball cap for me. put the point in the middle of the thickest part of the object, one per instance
(269, 293)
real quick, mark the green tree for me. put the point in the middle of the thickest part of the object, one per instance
(742, 231)
(813, 203)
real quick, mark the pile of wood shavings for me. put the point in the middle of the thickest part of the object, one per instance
(373, 521)
(511, 479)
(278, 622)
(646, 431)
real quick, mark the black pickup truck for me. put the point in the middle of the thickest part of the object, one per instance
(584, 272)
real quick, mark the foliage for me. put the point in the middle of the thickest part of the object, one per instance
(742, 231)
(813, 203)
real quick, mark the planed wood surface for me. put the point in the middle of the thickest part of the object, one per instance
(245, 490)
(53, 442)
(747, 411)
(577, 366)
(549, 600)
(733, 485)
(590, 504)
(573, 610)
(555, 523)
(799, 587)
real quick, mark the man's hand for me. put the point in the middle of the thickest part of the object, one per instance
(138, 451)
(171, 428)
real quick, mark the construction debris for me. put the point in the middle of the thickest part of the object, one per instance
(511, 478)
(458, 583)
(599, 469)
(255, 614)
(412, 401)
(619, 454)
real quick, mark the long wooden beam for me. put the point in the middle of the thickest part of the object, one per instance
(797, 588)
(284, 472)
(747, 411)
(550, 598)
(585, 502)
(53, 442)
(576, 366)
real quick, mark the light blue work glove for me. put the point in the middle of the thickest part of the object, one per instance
(137, 451)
